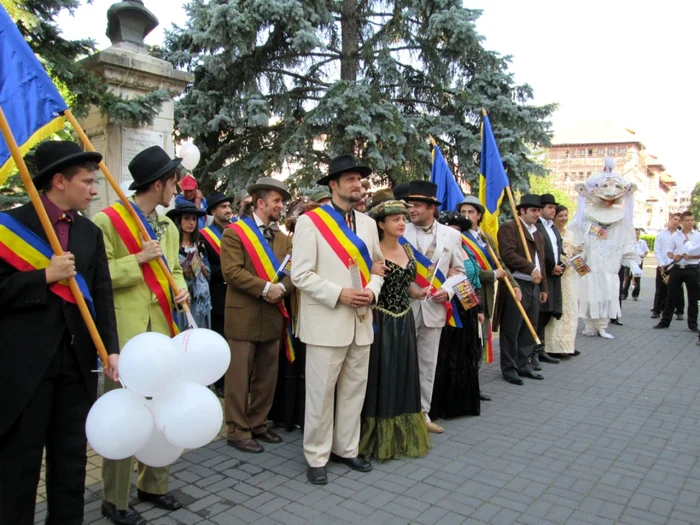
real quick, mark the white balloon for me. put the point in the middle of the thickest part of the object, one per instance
(158, 452)
(204, 355)
(119, 424)
(189, 416)
(189, 153)
(148, 364)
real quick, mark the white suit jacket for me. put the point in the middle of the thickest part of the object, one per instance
(449, 248)
(320, 275)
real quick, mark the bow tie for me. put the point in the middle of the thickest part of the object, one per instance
(269, 231)
(427, 229)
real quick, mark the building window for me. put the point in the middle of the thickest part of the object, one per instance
(590, 152)
(582, 152)
(588, 174)
(566, 175)
(601, 151)
(580, 175)
(567, 154)
(611, 151)
(622, 151)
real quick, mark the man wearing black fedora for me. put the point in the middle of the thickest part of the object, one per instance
(219, 207)
(138, 309)
(553, 269)
(46, 381)
(442, 245)
(333, 319)
(255, 324)
(516, 341)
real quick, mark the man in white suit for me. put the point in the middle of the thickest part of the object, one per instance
(438, 243)
(335, 321)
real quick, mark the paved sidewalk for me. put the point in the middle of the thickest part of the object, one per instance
(610, 436)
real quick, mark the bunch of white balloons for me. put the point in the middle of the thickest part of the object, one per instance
(189, 153)
(165, 406)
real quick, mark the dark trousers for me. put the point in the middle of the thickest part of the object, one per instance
(628, 281)
(679, 276)
(217, 324)
(661, 295)
(517, 344)
(55, 419)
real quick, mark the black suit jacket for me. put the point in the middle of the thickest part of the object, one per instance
(33, 320)
(217, 284)
(554, 300)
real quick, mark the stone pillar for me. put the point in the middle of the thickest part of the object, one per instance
(130, 72)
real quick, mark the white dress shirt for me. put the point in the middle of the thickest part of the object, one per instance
(423, 239)
(523, 276)
(662, 245)
(549, 228)
(642, 248)
(679, 246)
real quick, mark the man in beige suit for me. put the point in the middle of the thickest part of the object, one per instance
(335, 321)
(443, 245)
(254, 323)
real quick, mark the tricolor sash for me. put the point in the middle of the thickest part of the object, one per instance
(485, 262)
(213, 238)
(266, 266)
(25, 251)
(346, 244)
(481, 255)
(153, 274)
(422, 276)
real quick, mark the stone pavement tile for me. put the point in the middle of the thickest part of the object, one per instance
(451, 519)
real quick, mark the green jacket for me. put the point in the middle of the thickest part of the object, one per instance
(134, 303)
(487, 291)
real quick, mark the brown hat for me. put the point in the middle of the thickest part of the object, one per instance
(269, 183)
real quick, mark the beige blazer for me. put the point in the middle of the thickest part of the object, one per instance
(449, 248)
(320, 275)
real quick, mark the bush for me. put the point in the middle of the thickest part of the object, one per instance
(650, 241)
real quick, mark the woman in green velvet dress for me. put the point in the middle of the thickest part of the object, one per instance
(392, 423)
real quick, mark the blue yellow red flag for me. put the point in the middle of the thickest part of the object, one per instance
(492, 179)
(28, 97)
(448, 191)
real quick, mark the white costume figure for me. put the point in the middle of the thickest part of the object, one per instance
(603, 233)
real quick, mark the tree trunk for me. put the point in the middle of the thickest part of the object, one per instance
(348, 53)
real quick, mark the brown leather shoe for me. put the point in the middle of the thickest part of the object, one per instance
(268, 437)
(246, 445)
(434, 428)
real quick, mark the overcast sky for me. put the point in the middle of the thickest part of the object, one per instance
(621, 60)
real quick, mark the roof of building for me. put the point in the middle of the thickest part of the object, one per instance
(595, 132)
(667, 179)
(653, 160)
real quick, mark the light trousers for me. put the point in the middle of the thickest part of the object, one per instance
(428, 343)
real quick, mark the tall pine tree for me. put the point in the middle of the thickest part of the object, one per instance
(286, 84)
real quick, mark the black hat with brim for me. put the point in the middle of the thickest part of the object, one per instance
(343, 164)
(217, 198)
(54, 155)
(548, 198)
(184, 209)
(530, 201)
(422, 191)
(150, 165)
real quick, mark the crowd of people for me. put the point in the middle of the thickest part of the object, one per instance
(362, 320)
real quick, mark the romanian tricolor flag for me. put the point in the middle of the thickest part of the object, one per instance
(25, 251)
(266, 266)
(30, 101)
(492, 179)
(448, 191)
(485, 262)
(213, 237)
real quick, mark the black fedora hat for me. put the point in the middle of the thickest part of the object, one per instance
(217, 198)
(423, 191)
(548, 198)
(149, 165)
(529, 200)
(343, 164)
(269, 183)
(54, 155)
(182, 209)
(401, 190)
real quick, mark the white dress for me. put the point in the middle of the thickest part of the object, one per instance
(599, 291)
(560, 334)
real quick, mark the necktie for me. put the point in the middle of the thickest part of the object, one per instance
(268, 233)
(427, 229)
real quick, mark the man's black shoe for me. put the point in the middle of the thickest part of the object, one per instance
(317, 475)
(529, 372)
(616, 321)
(546, 358)
(655, 315)
(661, 325)
(121, 517)
(679, 317)
(576, 352)
(358, 463)
(535, 362)
(514, 380)
(484, 397)
(162, 501)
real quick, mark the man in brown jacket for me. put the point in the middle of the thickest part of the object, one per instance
(516, 341)
(254, 324)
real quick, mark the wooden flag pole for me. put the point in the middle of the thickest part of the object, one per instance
(526, 319)
(51, 235)
(122, 196)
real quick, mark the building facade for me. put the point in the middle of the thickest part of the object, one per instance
(680, 199)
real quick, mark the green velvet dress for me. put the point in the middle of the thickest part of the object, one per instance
(392, 423)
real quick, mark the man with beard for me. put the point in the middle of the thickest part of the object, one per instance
(255, 315)
(220, 208)
(553, 269)
(334, 250)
